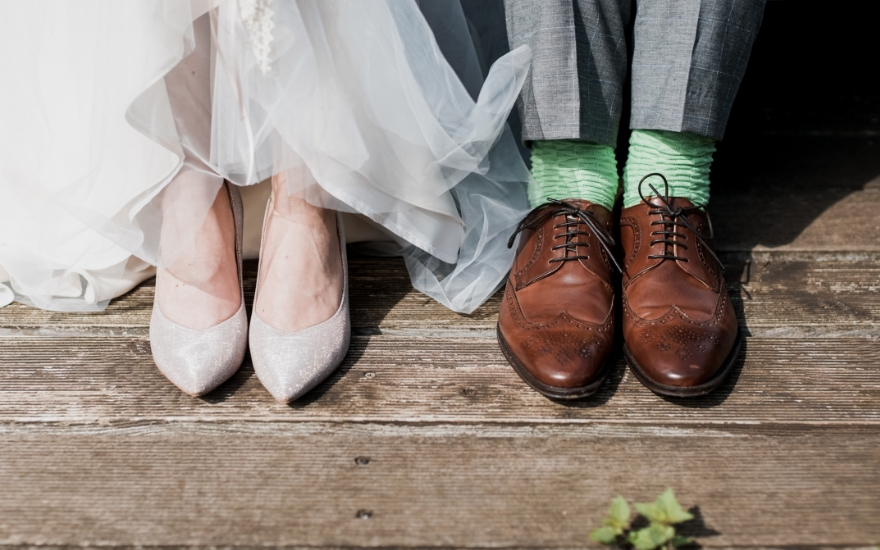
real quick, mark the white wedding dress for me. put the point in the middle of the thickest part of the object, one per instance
(369, 106)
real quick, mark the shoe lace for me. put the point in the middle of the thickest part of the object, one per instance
(574, 218)
(671, 219)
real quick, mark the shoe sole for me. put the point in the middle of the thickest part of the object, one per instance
(551, 391)
(692, 391)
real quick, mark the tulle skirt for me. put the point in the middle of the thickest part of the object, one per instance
(371, 107)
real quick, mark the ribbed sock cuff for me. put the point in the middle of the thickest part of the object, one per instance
(684, 159)
(573, 169)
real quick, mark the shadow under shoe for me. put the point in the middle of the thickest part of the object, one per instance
(289, 364)
(557, 320)
(197, 361)
(681, 331)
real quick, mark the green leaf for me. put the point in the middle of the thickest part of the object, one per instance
(679, 540)
(605, 535)
(651, 537)
(615, 523)
(674, 512)
(665, 510)
(618, 513)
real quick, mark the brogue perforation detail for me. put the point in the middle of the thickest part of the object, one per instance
(558, 334)
(717, 279)
(675, 313)
(685, 341)
(605, 259)
(633, 224)
(563, 318)
(539, 246)
(562, 346)
(691, 347)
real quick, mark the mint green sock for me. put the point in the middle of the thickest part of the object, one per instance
(684, 159)
(573, 169)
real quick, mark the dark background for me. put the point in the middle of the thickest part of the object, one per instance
(814, 68)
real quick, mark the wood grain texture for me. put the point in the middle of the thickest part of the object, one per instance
(777, 294)
(246, 484)
(401, 379)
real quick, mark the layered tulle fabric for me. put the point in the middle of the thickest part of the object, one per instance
(87, 143)
(354, 100)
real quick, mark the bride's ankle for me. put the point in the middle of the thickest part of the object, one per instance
(294, 207)
(200, 287)
(301, 272)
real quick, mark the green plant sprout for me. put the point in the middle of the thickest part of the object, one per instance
(662, 515)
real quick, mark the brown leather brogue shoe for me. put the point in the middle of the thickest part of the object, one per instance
(680, 330)
(557, 320)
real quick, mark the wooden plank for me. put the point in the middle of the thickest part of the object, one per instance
(525, 486)
(776, 295)
(401, 379)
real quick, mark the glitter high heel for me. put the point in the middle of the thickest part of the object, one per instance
(197, 361)
(289, 364)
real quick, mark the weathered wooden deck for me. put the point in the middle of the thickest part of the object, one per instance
(426, 437)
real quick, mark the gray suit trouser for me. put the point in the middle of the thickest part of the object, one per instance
(689, 57)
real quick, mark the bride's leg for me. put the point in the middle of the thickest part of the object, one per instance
(198, 285)
(199, 288)
(301, 274)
